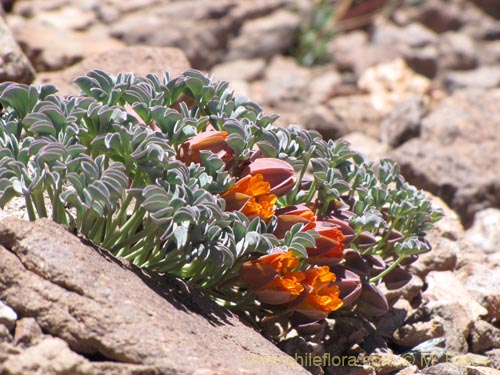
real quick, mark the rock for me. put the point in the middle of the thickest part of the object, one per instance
(414, 35)
(344, 115)
(438, 289)
(239, 70)
(485, 77)
(51, 357)
(403, 122)
(14, 66)
(481, 370)
(139, 60)
(104, 307)
(5, 336)
(423, 61)
(391, 83)
(408, 370)
(324, 85)
(490, 7)
(484, 284)
(427, 353)
(200, 29)
(385, 363)
(448, 159)
(394, 319)
(485, 230)
(494, 358)
(367, 145)
(37, 40)
(353, 53)
(8, 316)
(28, 332)
(484, 336)
(349, 370)
(444, 369)
(285, 80)
(457, 321)
(409, 291)
(346, 332)
(434, 16)
(265, 36)
(413, 334)
(457, 51)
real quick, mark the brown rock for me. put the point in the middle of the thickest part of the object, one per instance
(485, 231)
(481, 370)
(403, 122)
(368, 146)
(446, 287)
(51, 357)
(200, 29)
(409, 291)
(386, 363)
(456, 155)
(457, 51)
(483, 282)
(239, 70)
(139, 60)
(484, 336)
(485, 77)
(101, 306)
(394, 319)
(348, 114)
(37, 40)
(28, 332)
(14, 66)
(415, 333)
(265, 36)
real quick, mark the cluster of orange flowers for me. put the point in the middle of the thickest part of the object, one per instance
(276, 278)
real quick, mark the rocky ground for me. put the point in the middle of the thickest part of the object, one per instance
(422, 86)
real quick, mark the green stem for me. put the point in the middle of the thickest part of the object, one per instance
(118, 220)
(310, 195)
(387, 270)
(29, 208)
(39, 203)
(130, 226)
(291, 199)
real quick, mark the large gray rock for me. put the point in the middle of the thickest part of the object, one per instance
(140, 60)
(264, 37)
(100, 306)
(203, 29)
(14, 66)
(456, 157)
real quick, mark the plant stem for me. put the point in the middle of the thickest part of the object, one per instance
(387, 270)
(29, 208)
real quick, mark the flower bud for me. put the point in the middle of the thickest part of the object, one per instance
(289, 216)
(278, 173)
(214, 141)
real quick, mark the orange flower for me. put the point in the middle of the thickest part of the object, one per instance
(272, 277)
(323, 297)
(329, 246)
(214, 141)
(282, 289)
(251, 195)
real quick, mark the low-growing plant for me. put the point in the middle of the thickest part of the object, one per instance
(179, 176)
